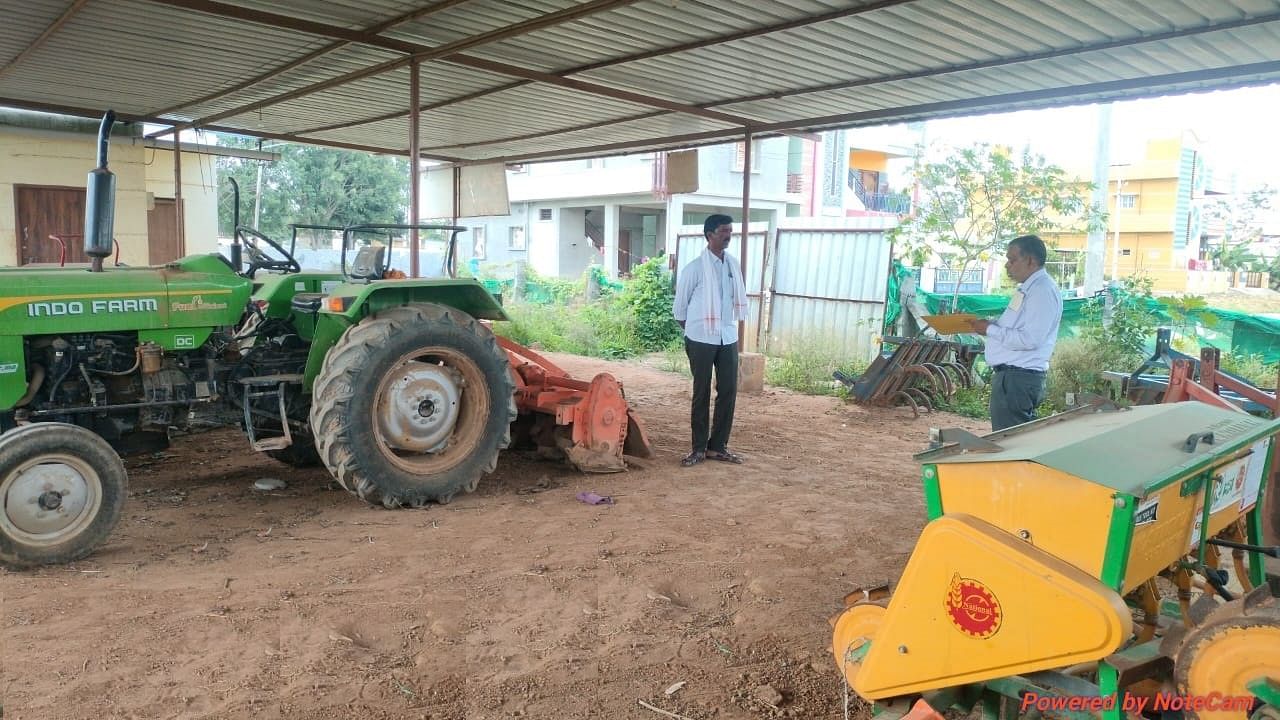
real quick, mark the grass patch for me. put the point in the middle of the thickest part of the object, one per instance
(972, 402)
(807, 366)
(674, 359)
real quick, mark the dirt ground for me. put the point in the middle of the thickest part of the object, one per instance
(215, 600)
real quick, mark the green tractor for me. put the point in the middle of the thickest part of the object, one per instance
(397, 386)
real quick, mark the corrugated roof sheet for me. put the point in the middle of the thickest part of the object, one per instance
(517, 80)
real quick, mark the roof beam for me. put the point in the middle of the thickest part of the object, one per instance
(1243, 75)
(319, 52)
(413, 50)
(863, 82)
(288, 22)
(287, 137)
(592, 88)
(669, 50)
(44, 36)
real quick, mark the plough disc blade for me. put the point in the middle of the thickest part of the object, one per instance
(637, 443)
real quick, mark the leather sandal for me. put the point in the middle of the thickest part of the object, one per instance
(725, 455)
(693, 458)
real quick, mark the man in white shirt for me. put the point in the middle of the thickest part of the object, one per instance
(1020, 343)
(710, 300)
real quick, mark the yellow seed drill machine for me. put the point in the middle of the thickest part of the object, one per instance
(1070, 568)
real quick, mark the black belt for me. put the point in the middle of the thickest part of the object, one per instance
(1012, 368)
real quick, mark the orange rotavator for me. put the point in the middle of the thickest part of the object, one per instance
(589, 423)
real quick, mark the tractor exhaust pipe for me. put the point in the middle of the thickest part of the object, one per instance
(99, 211)
(237, 253)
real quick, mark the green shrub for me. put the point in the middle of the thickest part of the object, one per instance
(1132, 324)
(551, 327)
(972, 402)
(1251, 368)
(808, 365)
(649, 296)
(1077, 366)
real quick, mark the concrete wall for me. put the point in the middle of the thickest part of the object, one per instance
(576, 249)
(199, 194)
(40, 157)
(717, 175)
(499, 257)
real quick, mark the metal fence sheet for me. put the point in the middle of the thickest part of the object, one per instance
(821, 286)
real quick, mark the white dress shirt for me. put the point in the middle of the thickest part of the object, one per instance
(1025, 334)
(690, 306)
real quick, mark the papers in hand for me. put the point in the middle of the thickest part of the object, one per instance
(953, 324)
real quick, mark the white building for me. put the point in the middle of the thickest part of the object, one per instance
(618, 211)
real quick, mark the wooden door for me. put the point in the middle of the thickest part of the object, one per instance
(162, 232)
(42, 211)
(624, 251)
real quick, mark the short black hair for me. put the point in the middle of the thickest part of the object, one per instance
(1031, 246)
(714, 221)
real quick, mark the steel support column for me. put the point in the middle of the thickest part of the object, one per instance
(177, 198)
(414, 140)
(746, 225)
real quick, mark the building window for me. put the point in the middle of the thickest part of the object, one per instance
(1128, 201)
(478, 243)
(544, 214)
(739, 153)
(516, 241)
(1126, 252)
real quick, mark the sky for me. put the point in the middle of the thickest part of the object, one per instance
(1235, 129)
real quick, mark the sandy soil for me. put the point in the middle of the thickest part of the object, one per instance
(214, 600)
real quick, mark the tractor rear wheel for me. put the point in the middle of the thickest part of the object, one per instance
(412, 405)
(62, 490)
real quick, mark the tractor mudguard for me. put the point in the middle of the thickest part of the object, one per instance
(349, 303)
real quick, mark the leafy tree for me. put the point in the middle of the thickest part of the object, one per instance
(979, 198)
(314, 185)
(1122, 340)
(1241, 221)
(1187, 311)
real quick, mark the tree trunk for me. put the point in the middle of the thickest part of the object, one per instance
(955, 292)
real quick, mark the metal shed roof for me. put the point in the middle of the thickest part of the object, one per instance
(523, 80)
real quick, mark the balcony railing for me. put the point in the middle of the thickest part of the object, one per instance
(897, 203)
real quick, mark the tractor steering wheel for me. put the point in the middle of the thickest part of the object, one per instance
(259, 259)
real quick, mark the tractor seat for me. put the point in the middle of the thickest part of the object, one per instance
(368, 263)
(307, 302)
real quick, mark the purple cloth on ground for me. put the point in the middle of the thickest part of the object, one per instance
(591, 498)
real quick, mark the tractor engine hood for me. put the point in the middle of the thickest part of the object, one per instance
(195, 291)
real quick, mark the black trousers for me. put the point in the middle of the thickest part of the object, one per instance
(1015, 395)
(703, 358)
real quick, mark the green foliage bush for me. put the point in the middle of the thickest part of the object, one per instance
(808, 365)
(1077, 366)
(650, 295)
(615, 325)
(1251, 368)
(1131, 327)
(972, 402)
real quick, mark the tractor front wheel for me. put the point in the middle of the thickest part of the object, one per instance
(62, 488)
(412, 405)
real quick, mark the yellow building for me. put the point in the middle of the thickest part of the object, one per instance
(44, 163)
(1152, 210)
